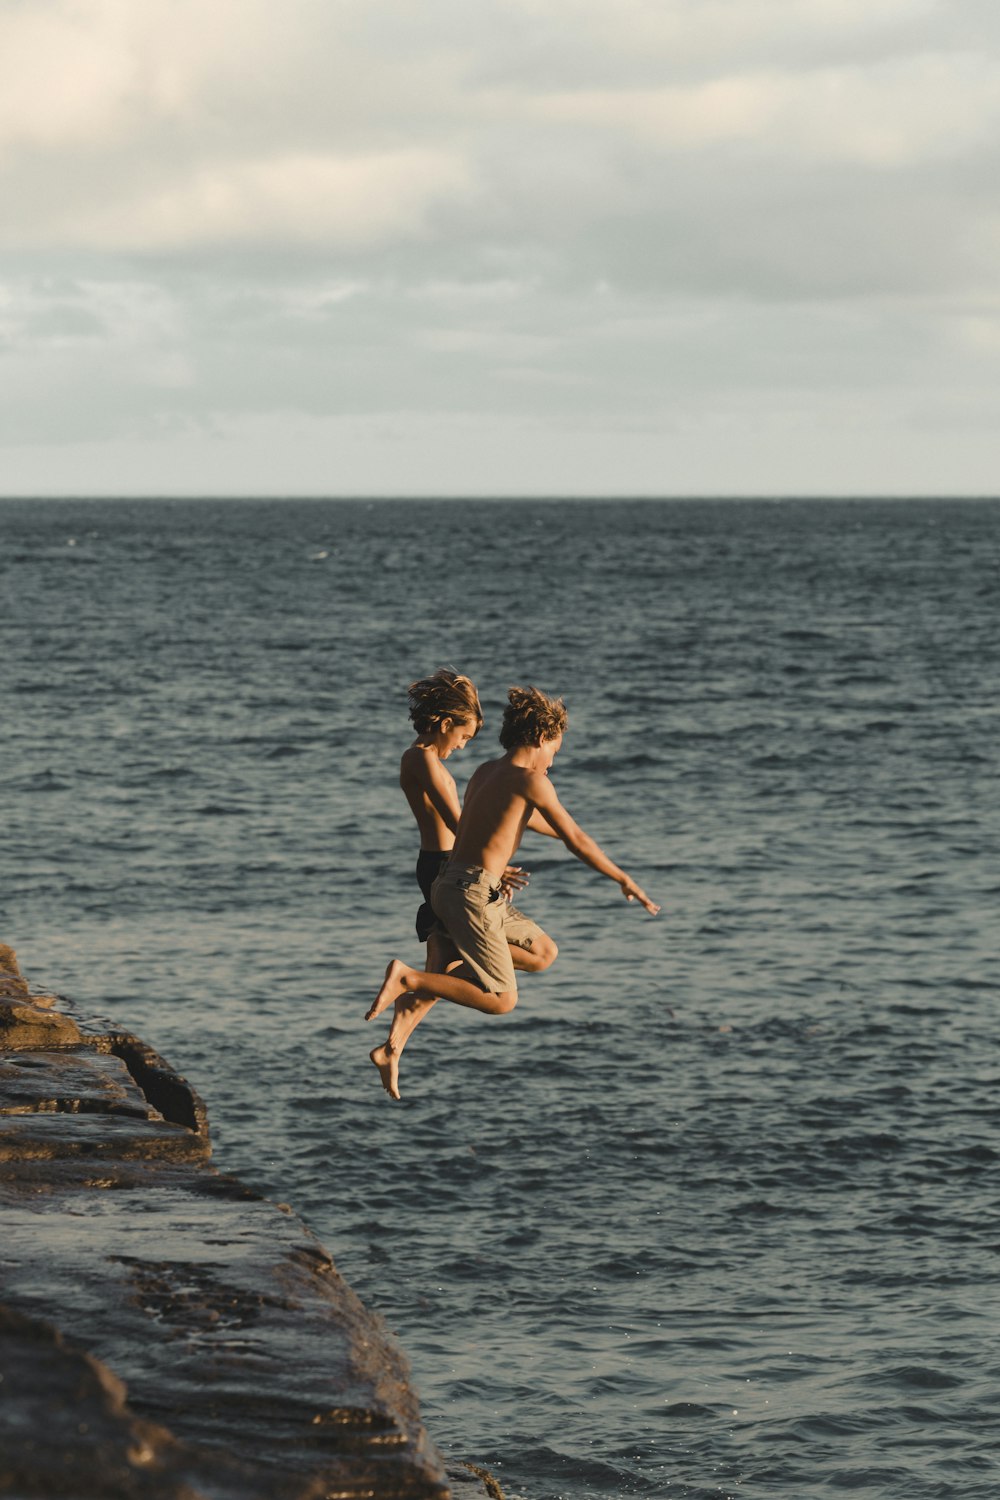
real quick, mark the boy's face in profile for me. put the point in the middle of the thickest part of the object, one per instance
(550, 749)
(454, 734)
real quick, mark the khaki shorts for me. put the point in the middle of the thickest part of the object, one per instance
(481, 924)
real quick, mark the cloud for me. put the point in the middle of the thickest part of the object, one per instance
(875, 116)
(168, 125)
(288, 199)
(635, 218)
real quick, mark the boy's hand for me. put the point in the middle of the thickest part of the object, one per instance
(633, 892)
(514, 879)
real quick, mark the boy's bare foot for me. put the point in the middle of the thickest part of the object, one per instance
(388, 1069)
(391, 988)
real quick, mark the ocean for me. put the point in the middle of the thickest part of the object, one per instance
(716, 1210)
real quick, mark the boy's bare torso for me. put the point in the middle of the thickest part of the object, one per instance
(433, 797)
(498, 803)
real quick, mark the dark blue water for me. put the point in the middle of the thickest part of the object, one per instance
(716, 1210)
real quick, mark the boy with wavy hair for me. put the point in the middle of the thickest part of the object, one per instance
(503, 799)
(446, 714)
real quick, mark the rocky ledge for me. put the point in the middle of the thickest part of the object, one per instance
(166, 1333)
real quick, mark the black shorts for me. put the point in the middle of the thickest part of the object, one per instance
(430, 863)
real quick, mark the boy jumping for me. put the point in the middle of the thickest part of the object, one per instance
(503, 798)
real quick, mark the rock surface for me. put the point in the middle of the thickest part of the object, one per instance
(164, 1331)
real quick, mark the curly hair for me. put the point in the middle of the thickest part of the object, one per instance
(530, 717)
(446, 694)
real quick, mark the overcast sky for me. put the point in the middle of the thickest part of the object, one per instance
(499, 246)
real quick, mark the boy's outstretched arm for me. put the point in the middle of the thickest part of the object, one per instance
(583, 846)
(538, 824)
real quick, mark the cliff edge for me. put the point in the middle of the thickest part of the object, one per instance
(164, 1331)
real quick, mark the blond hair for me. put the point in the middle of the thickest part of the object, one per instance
(446, 694)
(531, 717)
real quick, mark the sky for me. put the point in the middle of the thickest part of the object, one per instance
(485, 247)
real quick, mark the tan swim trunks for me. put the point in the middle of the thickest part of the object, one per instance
(481, 924)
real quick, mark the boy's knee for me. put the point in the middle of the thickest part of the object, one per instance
(549, 952)
(543, 953)
(505, 1002)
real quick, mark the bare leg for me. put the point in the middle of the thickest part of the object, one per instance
(535, 960)
(401, 980)
(410, 1009)
(408, 1012)
(388, 1068)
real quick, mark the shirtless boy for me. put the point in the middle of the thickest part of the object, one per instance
(446, 714)
(503, 798)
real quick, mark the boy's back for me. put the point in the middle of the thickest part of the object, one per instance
(431, 793)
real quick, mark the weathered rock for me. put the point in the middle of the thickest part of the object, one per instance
(78, 1080)
(32, 1026)
(66, 1430)
(243, 1365)
(27, 1020)
(11, 979)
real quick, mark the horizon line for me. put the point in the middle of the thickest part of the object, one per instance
(487, 496)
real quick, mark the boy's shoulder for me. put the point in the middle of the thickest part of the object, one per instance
(498, 771)
(485, 769)
(419, 760)
(537, 783)
(503, 773)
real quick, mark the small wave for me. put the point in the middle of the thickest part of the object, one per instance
(774, 761)
(918, 1378)
(317, 1103)
(45, 781)
(861, 679)
(984, 1154)
(827, 1426)
(548, 1463)
(604, 765)
(684, 1409)
(861, 1147)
